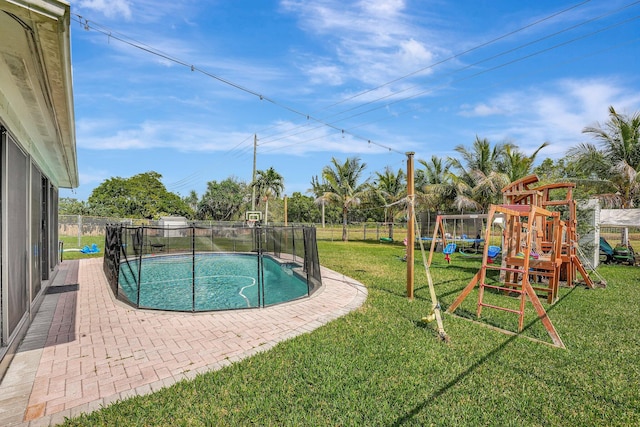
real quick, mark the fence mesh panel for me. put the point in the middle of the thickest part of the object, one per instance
(198, 268)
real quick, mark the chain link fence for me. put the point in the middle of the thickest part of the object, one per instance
(82, 226)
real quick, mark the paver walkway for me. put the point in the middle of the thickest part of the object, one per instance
(85, 350)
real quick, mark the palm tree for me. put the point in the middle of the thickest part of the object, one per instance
(435, 186)
(515, 164)
(344, 188)
(391, 187)
(192, 201)
(617, 162)
(268, 183)
(480, 171)
(319, 189)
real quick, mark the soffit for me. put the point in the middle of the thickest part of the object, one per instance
(36, 96)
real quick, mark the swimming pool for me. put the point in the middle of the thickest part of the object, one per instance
(210, 281)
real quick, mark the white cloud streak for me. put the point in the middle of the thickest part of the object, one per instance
(369, 41)
(201, 137)
(556, 112)
(108, 8)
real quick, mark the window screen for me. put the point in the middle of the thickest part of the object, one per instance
(16, 177)
(36, 231)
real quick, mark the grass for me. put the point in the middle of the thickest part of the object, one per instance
(380, 365)
(71, 242)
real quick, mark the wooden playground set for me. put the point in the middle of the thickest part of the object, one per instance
(537, 243)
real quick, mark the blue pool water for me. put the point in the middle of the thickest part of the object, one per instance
(209, 282)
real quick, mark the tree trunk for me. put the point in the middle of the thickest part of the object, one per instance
(344, 224)
(624, 236)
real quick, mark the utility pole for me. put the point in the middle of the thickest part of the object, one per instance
(411, 238)
(253, 178)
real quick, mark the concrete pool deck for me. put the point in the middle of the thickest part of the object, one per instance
(85, 350)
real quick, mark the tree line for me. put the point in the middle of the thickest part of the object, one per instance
(606, 168)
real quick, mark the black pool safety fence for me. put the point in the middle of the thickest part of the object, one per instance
(195, 269)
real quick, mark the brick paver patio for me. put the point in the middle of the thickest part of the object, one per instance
(85, 350)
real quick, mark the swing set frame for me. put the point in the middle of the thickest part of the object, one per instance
(440, 233)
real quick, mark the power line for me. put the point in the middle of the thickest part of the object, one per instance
(431, 66)
(325, 122)
(574, 59)
(460, 54)
(89, 25)
(503, 53)
(485, 71)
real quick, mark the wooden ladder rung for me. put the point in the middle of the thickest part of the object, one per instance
(497, 267)
(503, 288)
(512, 285)
(510, 310)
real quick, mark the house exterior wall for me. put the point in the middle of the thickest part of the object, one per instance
(37, 156)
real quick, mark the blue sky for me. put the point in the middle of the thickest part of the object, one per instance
(181, 87)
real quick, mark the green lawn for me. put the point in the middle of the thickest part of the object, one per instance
(381, 366)
(71, 246)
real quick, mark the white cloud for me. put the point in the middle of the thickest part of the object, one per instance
(109, 8)
(414, 52)
(93, 176)
(312, 137)
(556, 112)
(370, 41)
(504, 104)
(140, 11)
(322, 73)
(480, 110)
(291, 138)
(382, 7)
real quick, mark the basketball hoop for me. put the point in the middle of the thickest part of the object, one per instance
(252, 217)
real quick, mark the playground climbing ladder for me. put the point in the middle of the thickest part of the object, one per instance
(517, 270)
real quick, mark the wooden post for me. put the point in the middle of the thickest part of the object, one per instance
(285, 210)
(411, 238)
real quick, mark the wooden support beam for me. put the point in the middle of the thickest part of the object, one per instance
(542, 314)
(411, 235)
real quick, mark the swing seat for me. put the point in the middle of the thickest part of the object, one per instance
(448, 250)
(492, 252)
